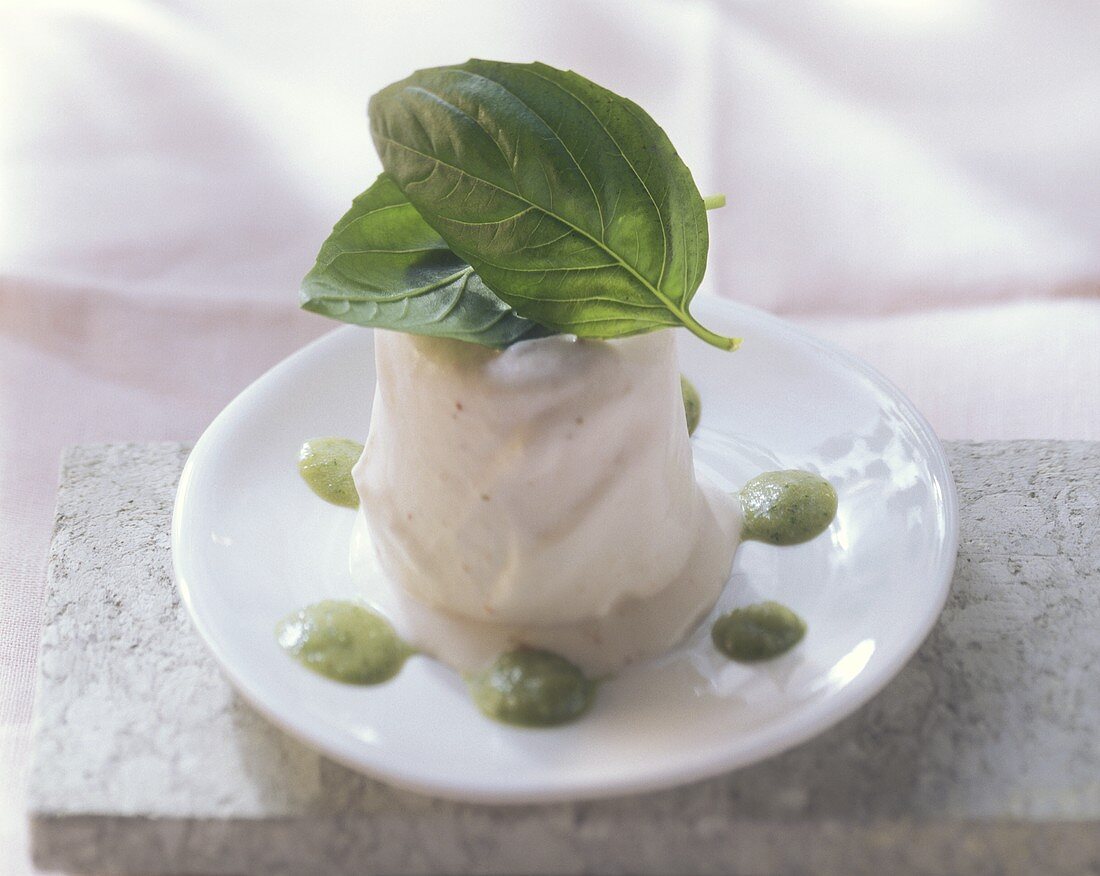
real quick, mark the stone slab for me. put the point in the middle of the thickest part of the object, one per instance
(982, 756)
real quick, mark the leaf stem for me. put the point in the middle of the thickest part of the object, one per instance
(713, 338)
(713, 202)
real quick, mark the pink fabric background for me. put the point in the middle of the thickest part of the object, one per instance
(914, 179)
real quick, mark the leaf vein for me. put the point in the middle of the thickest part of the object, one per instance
(629, 163)
(557, 136)
(657, 293)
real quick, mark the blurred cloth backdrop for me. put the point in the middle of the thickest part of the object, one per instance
(917, 180)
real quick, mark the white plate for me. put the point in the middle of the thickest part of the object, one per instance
(251, 543)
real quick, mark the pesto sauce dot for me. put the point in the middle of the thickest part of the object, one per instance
(693, 405)
(325, 464)
(787, 507)
(532, 688)
(757, 632)
(343, 641)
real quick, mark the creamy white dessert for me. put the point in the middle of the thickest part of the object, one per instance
(542, 495)
(529, 509)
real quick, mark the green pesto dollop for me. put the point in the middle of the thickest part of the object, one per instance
(757, 632)
(532, 688)
(325, 464)
(343, 641)
(787, 507)
(693, 405)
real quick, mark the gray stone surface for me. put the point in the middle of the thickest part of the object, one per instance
(982, 756)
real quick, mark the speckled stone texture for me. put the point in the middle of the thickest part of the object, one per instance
(981, 757)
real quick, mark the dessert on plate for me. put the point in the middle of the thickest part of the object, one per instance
(529, 509)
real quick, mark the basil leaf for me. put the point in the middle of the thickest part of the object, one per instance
(384, 266)
(568, 200)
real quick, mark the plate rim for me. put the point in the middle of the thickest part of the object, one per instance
(815, 718)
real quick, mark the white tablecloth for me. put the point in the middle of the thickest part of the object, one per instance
(915, 179)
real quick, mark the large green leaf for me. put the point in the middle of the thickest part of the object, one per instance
(384, 266)
(568, 200)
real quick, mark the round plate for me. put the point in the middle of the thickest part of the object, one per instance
(251, 544)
